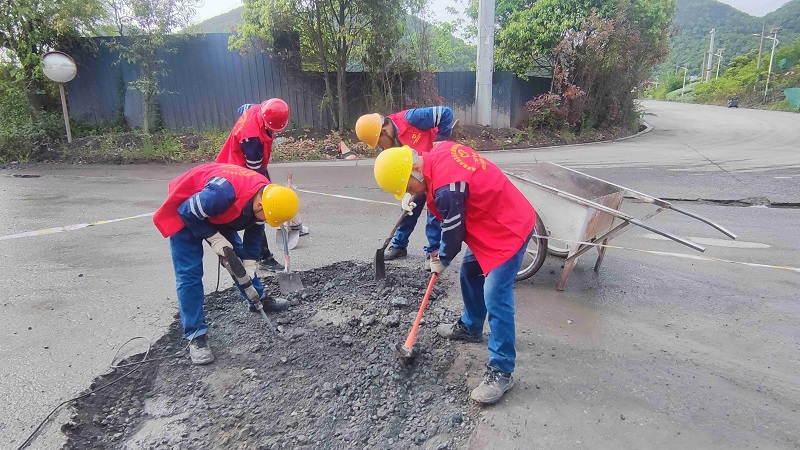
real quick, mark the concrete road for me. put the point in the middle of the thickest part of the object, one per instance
(654, 351)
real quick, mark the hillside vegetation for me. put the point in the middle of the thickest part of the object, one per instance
(695, 18)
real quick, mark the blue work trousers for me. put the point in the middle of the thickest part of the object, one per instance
(187, 260)
(492, 294)
(433, 228)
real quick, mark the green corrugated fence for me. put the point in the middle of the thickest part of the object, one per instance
(793, 97)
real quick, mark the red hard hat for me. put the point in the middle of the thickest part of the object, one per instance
(276, 114)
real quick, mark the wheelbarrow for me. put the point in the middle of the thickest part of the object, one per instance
(580, 210)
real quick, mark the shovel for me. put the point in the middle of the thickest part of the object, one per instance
(380, 262)
(406, 351)
(235, 267)
(294, 235)
(288, 282)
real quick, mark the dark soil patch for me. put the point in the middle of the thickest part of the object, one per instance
(332, 380)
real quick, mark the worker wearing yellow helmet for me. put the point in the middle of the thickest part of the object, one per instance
(478, 206)
(418, 128)
(213, 202)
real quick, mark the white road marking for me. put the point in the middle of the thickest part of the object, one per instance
(713, 242)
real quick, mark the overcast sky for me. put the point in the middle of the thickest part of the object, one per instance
(754, 7)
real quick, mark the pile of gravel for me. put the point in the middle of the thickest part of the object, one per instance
(331, 380)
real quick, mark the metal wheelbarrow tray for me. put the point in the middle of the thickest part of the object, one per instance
(576, 207)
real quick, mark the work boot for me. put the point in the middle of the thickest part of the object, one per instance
(393, 252)
(199, 351)
(458, 332)
(271, 304)
(270, 264)
(493, 386)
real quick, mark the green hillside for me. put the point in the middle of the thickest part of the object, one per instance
(461, 56)
(223, 23)
(695, 18)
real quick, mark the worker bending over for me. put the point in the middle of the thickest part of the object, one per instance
(477, 205)
(250, 145)
(418, 128)
(212, 202)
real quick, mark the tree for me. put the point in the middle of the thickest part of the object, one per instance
(600, 64)
(145, 27)
(30, 28)
(331, 32)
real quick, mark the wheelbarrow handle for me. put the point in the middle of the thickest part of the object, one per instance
(718, 227)
(656, 201)
(667, 234)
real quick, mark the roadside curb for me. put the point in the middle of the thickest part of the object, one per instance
(647, 128)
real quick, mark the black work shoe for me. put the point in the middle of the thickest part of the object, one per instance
(458, 332)
(270, 264)
(200, 352)
(394, 253)
(271, 304)
(493, 386)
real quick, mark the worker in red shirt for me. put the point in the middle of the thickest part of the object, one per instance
(478, 206)
(213, 202)
(250, 145)
(418, 128)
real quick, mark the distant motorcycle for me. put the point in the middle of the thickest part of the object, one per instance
(733, 102)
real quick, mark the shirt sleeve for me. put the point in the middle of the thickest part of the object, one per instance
(216, 197)
(253, 150)
(451, 202)
(244, 108)
(432, 117)
(253, 241)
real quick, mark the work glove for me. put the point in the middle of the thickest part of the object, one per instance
(250, 267)
(218, 243)
(407, 204)
(436, 265)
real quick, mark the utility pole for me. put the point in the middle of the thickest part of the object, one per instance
(710, 55)
(685, 70)
(760, 47)
(771, 59)
(719, 61)
(485, 65)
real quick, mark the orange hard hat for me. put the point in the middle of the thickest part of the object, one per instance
(368, 129)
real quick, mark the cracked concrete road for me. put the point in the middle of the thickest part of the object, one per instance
(653, 351)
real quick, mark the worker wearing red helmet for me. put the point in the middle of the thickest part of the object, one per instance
(250, 142)
(250, 145)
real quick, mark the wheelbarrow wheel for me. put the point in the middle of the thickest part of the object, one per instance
(535, 253)
(558, 249)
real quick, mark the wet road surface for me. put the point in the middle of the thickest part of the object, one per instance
(652, 351)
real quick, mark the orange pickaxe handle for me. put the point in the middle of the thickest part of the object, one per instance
(412, 336)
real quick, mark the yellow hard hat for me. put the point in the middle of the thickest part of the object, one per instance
(368, 129)
(280, 204)
(393, 168)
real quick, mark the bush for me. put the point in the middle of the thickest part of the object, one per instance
(546, 111)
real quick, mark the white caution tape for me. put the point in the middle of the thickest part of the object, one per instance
(676, 255)
(74, 227)
(348, 197)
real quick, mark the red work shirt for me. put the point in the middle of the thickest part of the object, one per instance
(246, 184)
(498, 217)
(419, 140)
(250, 125)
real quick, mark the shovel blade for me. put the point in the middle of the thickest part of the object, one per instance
(380, 265)
(289, 282)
